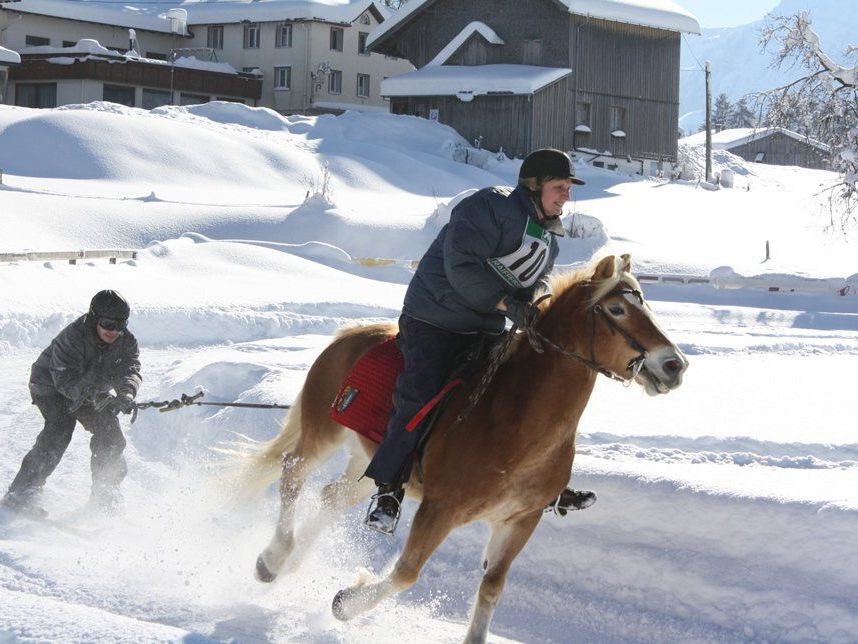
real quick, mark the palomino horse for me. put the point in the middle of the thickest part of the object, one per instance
(506, 460)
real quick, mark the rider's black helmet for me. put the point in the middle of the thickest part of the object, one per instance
(548, 163)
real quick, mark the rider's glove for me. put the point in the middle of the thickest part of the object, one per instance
(124, 403)
(522, 314)
(102, 400)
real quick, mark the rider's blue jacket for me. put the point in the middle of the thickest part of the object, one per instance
(493, 246)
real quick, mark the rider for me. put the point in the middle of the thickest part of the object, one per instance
(71, 382)
(490, 261)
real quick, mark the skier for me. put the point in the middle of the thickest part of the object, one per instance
(71, 381)
(491, 261)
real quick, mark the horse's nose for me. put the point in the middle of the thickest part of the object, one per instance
(673, 367)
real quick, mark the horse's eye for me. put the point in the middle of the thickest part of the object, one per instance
(616, 309)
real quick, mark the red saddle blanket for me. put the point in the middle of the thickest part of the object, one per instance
(365, 399)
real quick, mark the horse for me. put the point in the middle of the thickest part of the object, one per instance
(504, 461)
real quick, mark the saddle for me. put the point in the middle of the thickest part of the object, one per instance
(364, 401)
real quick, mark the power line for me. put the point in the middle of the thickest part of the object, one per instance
(700, 66)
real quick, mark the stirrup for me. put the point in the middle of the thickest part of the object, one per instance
(384, 511)
(570, 500)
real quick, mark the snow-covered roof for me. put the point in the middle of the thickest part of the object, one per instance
(202, 12)
(150, 15)
(468, 81)
(87, 48)
(145, 16)
(474, 27)
(734, 137)
(662, 14)
(8, 56)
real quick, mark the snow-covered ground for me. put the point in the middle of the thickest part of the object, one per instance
(727, 510)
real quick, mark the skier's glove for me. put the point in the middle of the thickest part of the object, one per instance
(102, 400)
(522, 314)
(124, 403)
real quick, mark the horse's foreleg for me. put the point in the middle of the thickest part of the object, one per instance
(270, 560)
(506, 542)
(431, 526)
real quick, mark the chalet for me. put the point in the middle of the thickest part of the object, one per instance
(308, 55)
(774, 145)
(590, 75)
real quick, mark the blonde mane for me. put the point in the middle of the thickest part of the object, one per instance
(565, 281)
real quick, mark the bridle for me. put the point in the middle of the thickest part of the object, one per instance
(537, 340)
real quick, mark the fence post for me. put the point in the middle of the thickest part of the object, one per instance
(768, 255)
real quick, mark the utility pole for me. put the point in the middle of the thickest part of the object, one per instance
(708, 69)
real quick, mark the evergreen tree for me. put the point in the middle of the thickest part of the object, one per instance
(742, 115)
(721, 113)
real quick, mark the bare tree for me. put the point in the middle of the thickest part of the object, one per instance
(822, 104)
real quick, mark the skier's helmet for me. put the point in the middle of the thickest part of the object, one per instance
(109, 306)
(546, 164)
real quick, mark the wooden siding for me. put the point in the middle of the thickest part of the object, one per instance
(551, 117)
(630, 67)
(435, 25)
(502, 120)
(781, 149)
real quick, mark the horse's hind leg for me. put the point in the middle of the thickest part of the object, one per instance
(296, 468)
(336, 497)
(431, 526)
(506, 542)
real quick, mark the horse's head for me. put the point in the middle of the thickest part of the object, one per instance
(617, 332)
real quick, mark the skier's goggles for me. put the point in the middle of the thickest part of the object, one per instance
(111, 324)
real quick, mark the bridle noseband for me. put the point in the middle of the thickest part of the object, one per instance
(537, 340)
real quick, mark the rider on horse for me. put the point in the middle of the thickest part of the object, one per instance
(491, 261)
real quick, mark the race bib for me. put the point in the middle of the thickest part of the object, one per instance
(522, 267)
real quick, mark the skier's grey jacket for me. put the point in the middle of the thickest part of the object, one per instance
(77, 365)
(459, 281)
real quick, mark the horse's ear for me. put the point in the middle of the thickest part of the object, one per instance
(626, 263)
(605, 269)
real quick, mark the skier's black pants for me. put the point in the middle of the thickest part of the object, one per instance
(107, 444)
(430, 354)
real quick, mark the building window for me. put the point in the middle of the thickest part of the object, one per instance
(284, 35)
(532, 51)
(153, 98)
(335, 82)
(214, 40)
(192, 99)
(69, 43)
(154, 55)
(36, 41)
(282, 78)
(616, 118)
(36, 94)
(362, 36)
(582, 113)
(759, 157)
(119, 94)
(337, 38)
(363, 85)
(251, 35)
(364, 19)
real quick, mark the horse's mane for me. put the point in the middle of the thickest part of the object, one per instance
(564, 281)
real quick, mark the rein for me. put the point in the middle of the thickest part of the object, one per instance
(537, 341)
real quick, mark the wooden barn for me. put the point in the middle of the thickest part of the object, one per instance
(774, 145)
(591, 75)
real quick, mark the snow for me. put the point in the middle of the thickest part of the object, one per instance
(662, 14)
(733, 137)
(474, 27)
(727, 510)
(472, 80)
(8, 56)
(153, 16)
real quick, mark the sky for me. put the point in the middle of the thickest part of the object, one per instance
(728, 13)
(725, 509)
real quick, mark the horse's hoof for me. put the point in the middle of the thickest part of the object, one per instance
(338, 607)
(263, 574)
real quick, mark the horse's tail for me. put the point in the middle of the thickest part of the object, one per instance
(257, 465)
